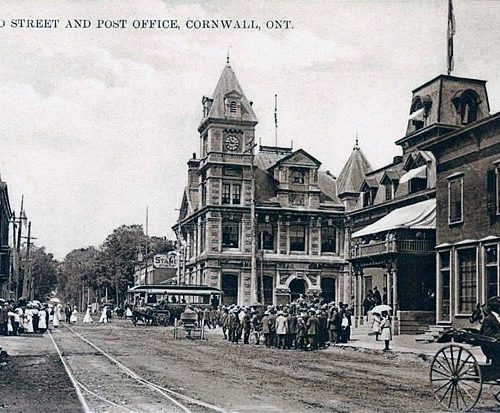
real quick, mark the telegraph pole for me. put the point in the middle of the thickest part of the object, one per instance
(253, 269)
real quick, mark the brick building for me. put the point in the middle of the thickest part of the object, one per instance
(5, 251)
(393, 217)
(299, 220)
(468, 200)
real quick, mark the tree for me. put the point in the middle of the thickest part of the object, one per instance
(77, 272)
(44, 273)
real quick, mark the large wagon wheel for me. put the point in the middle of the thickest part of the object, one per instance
(163, 319)
(495, 390)
(456, 378)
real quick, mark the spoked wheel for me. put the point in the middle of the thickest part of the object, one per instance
(163, 319)
(456, 378)
(495, 390)
(254, 338)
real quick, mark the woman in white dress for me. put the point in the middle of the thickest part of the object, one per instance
(104, 316)
(42, 322)
(128, 312)
(57, 316)
(28, 320)
(72, 318)
(87, 319)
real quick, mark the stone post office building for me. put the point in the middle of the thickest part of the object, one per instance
(300, 222)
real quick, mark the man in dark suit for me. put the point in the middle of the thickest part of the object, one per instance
(491, 328)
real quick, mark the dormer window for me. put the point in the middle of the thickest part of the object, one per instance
(369, 191)
(233, 107)
(297, 176)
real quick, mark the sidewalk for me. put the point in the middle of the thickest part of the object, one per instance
(34, 379)
(404, 344)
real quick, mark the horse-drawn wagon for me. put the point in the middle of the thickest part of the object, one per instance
(458, 374)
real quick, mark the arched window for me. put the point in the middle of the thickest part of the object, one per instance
(468, 107)
(298, 176)
(233, 107)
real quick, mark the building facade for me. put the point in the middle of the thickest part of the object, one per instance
(468, 197)
(296, 244)
(5, 250)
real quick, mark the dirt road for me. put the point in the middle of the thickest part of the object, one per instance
(243, 378)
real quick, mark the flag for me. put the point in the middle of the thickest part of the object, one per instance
(451, 33)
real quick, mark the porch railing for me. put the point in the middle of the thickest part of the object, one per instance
(412, 246)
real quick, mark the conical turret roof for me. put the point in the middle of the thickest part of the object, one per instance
(228, 85)
(353, 173)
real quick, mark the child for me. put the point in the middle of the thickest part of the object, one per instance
(385, 329)
(376, 325)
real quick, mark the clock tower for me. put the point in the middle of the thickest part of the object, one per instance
(227, 131)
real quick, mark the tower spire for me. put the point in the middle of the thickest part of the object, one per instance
(356, 146)
(227, 57)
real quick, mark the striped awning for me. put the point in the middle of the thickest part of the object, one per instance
(421, 215)
(420, 172)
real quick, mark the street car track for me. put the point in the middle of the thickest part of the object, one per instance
(165, 392)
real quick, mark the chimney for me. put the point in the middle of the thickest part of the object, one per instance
(193, 165)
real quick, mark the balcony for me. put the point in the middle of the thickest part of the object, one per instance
(394, 246)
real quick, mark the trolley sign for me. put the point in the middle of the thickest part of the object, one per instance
(165, 260)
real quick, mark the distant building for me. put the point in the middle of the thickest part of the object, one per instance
(300, 222)
(5, 250)
(160, 269)
(468, 201)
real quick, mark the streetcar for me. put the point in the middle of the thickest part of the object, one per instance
(160, 304)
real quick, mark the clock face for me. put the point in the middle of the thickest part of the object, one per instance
(232, 143)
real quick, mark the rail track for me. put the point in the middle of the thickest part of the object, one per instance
(178, 402)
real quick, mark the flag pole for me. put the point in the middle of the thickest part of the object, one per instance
(451, 33)
(276, 120)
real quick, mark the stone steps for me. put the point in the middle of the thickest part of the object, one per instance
(432, 333)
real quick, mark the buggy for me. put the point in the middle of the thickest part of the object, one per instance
(457, 379)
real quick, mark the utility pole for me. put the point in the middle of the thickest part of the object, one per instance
(146, 254)
(253, 269)
(27, 267)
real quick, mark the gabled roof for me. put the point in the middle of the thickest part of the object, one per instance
(228, 85)
(300, 156)
(353, 173)
(370, 182)
(389, 174)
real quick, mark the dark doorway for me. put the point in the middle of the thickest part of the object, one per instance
(268, 289)
(229, 287)
(297, 287)
(328, 289)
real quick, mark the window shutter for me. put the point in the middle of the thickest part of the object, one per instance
(491, 201)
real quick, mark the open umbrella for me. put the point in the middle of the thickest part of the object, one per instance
(379, 309)
(55, 300)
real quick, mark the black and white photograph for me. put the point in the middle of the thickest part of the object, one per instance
(249, 206)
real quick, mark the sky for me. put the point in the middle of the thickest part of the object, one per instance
(97, 124)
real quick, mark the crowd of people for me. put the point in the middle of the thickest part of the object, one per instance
(300, 325)
(27, 317)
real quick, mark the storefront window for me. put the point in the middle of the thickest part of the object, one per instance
(445, 285)
(467, 280)
(491, 260)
